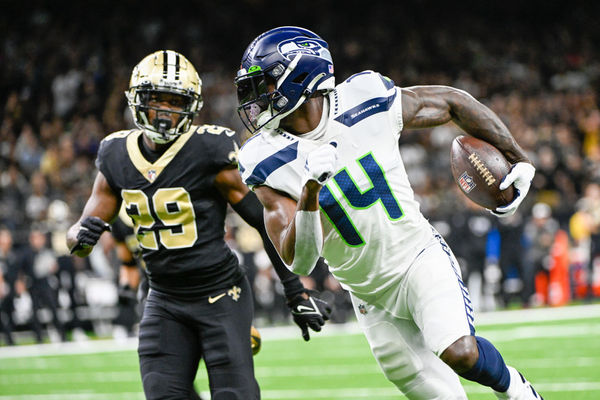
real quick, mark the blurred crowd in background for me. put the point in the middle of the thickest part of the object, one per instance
(63, 71)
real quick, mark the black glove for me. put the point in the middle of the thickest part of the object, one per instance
(89, 232)
(311, 312)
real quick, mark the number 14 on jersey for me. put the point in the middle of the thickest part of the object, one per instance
(379, 192)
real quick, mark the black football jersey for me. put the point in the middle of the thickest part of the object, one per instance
(178, 213)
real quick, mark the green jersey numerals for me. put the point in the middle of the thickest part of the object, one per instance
(379, 192)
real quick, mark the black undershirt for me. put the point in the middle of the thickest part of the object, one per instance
(152, 155)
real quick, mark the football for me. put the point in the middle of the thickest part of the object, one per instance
(255, 340)
(478, 168)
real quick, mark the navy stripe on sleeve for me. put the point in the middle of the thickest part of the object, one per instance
(267, 166)
(366, 109)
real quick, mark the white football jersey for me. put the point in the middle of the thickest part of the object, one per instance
(373, 228)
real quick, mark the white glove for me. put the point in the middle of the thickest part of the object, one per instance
(520, 175)
(321, 164)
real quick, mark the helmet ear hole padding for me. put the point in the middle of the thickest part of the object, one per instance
(164, 71)
(300, 78)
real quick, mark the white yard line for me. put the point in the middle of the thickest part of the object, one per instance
(288, 332)
(84, 347)
(537, 315)
(78, 396)
(362, 369)
(547, 331)
(354, 393)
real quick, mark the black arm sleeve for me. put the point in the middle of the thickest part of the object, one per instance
(250, 209)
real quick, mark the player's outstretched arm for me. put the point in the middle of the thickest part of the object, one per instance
(427, 106)
(102, 206)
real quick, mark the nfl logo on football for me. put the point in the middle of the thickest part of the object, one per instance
(466, 182)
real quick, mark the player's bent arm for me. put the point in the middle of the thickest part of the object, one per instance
(308, 311)
(103, 203)
(279, 213)
(428, 106)
(294, 228)
(245, 203)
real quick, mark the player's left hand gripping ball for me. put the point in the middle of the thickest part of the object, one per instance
(89, 232)
(309, 312)
(520, 176)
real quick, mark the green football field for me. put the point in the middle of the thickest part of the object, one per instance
(557, 349)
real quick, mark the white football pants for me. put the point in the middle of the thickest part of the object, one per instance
(431, 311)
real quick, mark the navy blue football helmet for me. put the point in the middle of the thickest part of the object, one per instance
(295, 62)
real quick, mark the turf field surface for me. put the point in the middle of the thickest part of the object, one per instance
(557, 349)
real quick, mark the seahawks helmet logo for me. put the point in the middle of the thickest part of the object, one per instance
(302, 45)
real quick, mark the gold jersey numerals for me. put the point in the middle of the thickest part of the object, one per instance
(173, 207)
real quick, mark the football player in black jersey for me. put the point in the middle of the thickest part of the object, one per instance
(175, 180)
(133, 284)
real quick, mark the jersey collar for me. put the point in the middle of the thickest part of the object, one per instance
(149, 170)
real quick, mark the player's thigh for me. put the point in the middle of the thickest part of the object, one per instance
(168, 350)
(225, 341)
(398, 346)
(438, 300)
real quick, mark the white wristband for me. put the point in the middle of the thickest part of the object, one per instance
(309, 242)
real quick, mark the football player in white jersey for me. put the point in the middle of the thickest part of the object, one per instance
(325, 163)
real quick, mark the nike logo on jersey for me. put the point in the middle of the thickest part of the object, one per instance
(302, 308)
(212, 300)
